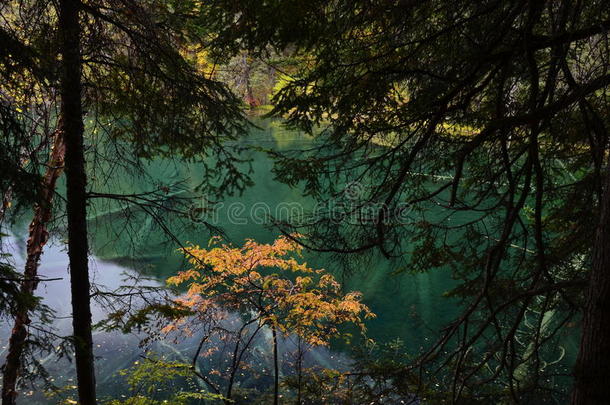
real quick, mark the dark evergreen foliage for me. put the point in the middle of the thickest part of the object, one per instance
(476, 133)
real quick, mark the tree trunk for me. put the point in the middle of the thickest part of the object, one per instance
(76, 179)
(38, 237)
(592, 370)
(299, 371)
(6, 203)
(252, 102)
(276, 368)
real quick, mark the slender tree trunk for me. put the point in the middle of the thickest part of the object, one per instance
(592, 370)
(38, 237)
(252, 102)
(299, 371)
(276, 368)
(72, 114)
(233, 371)
(7, 196)
(6, 203)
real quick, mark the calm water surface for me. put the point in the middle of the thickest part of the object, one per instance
(408, 306)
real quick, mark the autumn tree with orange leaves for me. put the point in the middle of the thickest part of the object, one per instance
(270, 288)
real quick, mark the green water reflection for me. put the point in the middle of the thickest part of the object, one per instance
(409, 306)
